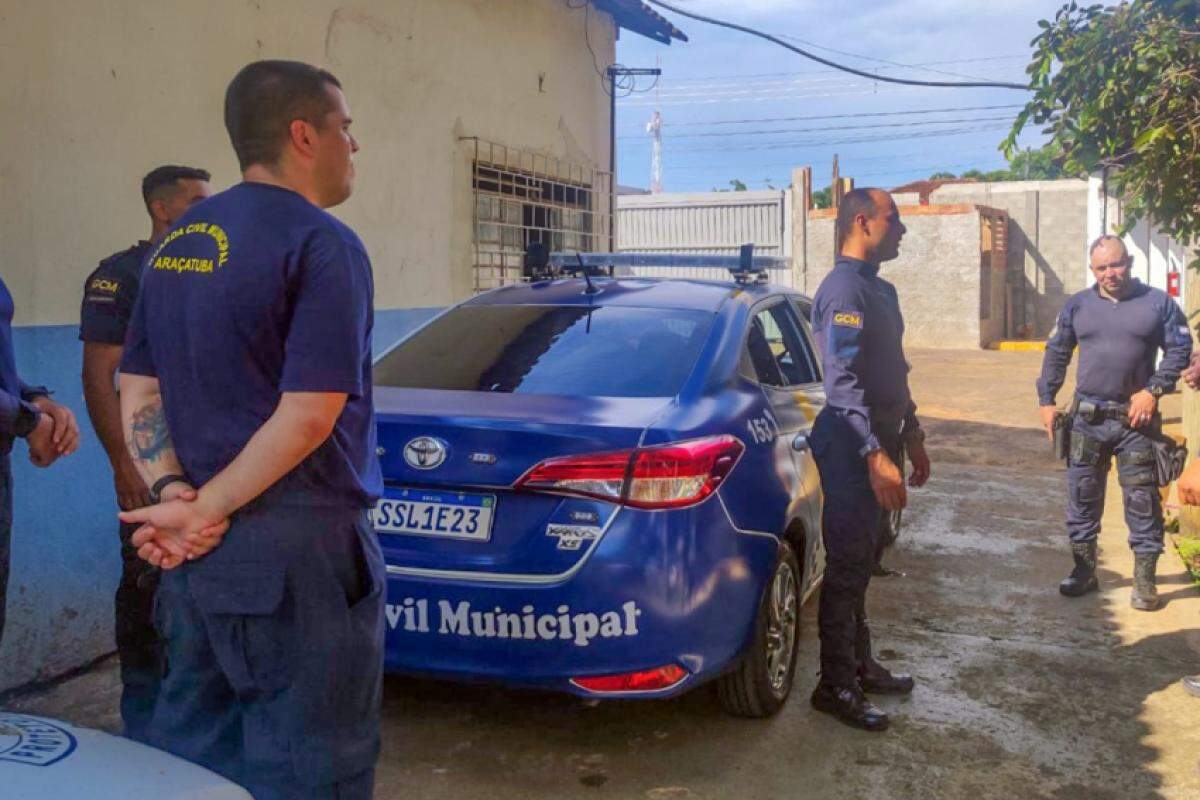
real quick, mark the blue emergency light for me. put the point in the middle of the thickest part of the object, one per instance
(746, 268)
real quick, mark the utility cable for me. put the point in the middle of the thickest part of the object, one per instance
(917, 65)
(769, 132)
(880, 60)
(776, 40)
(747, 121)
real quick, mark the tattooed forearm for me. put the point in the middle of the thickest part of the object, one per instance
(149, 439)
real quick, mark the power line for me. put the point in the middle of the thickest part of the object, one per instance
(858, 115)
(761, 98)
(880, 60)
(834, 64)
(773, 131)
(918, 170)
(820, 142)
(752, 75)
(708, 163)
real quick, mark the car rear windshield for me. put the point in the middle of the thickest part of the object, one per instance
(559, 350)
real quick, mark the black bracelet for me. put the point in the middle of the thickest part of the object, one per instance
(162, 483)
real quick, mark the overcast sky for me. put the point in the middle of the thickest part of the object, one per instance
(735, 106)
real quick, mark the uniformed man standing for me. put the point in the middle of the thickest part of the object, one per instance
(1119, 325)
(108, 297)
(856, 440)
(26, 412)
(247, 375)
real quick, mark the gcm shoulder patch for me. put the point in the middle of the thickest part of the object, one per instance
(848, 319)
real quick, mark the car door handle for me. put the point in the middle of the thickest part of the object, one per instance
(800, 443)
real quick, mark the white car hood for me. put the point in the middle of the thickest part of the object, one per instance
(44, 759)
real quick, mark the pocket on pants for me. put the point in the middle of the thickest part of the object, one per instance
(1085, 451)
(344, 681)
(244, 606)
(1140, 502)
(1085, 491)
(1137, 468)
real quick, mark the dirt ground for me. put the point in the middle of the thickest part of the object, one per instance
(1021, 693)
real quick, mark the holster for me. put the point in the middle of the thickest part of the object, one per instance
(1061, 428)
(1170, 457)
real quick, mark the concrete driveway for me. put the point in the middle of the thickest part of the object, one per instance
(1021, 693)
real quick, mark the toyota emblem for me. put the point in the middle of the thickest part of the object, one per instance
(425, 452)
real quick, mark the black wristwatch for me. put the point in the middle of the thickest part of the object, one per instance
(1156, 390)
(162, 483)
(27, 419)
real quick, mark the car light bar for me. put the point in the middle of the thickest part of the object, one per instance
(648, 680)
(745, 268)
(666, 476)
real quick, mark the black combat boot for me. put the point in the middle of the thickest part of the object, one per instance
(850, 706)
(1145, 594)
(1083, 578)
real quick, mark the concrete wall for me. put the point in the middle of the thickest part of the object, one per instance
(94, 95)
(936, 275)
(1047, 240)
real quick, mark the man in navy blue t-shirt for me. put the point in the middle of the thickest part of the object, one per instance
(246, 401)
(108, 297)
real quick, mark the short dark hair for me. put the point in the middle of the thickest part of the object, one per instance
(160, 181)
(1108, 237)
(856, 201)
(265, 97)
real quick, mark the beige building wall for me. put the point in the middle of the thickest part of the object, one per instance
(93, 95)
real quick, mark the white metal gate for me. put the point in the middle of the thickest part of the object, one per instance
(710, 223)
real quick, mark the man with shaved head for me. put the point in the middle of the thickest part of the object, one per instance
(856, 441)
(1120, 325)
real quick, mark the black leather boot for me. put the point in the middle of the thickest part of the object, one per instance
(875, 678)
(1083, 578)
(850, 706)
(1145, 594)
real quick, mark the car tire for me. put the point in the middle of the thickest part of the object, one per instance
(762, 680)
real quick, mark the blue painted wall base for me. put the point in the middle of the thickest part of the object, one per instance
(65, 560)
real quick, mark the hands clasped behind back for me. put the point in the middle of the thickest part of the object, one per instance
(178, 529)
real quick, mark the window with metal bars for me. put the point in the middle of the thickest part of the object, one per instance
(523, 198)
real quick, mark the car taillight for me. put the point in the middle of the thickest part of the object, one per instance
(649, 680)
(667, 476)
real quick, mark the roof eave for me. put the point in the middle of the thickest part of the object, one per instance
(636, 16)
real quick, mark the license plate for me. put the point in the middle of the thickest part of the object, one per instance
(449, 515)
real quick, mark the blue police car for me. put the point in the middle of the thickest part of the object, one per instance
(602, 485)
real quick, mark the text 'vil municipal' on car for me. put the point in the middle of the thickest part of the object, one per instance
(602, 485)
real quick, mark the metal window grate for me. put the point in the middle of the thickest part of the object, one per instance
(522, 198)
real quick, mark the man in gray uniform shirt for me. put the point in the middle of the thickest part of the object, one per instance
(1119, 325)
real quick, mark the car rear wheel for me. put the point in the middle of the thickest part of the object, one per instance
(761, 682)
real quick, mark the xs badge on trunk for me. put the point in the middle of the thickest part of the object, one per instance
(571, 537)
(424, 452)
